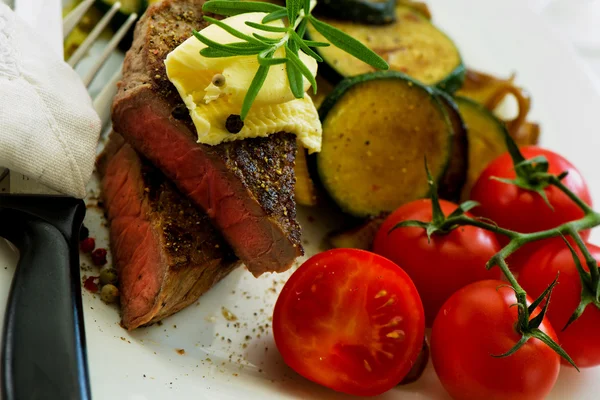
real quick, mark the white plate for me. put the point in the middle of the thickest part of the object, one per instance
(500, 37)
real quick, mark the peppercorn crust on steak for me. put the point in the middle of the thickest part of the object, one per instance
(166, 251)
(246, 187)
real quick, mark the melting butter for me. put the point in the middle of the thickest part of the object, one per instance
(275, 108)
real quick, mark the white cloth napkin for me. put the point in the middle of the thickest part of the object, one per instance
(48, 127)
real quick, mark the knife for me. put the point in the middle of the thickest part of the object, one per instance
(43, 351)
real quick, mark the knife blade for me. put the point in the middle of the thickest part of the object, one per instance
(43, 350)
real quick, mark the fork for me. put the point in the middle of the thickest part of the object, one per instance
(43, 354)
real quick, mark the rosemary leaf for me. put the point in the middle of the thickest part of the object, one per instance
(229, 7)
(294, 59)
(267, 28)
(266, 58)
(294, 77)
(233, 31)
(312, 43)
(210, 52)
(265, 39)
(306, 7)
(236, 49)
(293, 8)
(275, 15)
(255, 86)
(348, 44)
(301, 30)
(304, 47)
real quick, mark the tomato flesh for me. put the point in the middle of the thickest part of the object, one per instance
(476, 323)
(350, 320)
(580, 339)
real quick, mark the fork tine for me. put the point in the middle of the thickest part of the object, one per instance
(93, 35)
(104, 99)
(71, 20)
(109, 49)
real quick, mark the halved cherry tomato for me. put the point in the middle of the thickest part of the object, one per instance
(350, 320)
(580, 339)
(442, 265)
(525, 211)
(478, 322)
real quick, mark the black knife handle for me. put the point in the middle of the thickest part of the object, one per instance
(43, 352)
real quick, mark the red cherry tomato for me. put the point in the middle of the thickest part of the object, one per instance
(525, 211)
(350, 320)
(476, 323)
(443, 265)
(580, 339)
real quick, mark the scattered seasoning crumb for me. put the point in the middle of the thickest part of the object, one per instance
(144, 375)
(229, 316)
(180, 351)
(123, 339)
(159, 323)
(210, 318)
(175, 326)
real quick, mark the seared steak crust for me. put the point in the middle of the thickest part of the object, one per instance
(166, 251)
(246, 187)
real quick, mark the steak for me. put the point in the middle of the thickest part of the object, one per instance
(246, 187)
(165, 250)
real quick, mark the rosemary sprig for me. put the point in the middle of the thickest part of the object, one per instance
(298, 14)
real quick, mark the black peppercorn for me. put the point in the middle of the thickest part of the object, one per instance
(179, 112)
(234, 124)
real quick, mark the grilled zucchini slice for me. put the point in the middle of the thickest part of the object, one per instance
(450, 187)
(486, 135)
(377, 129)
(375, 12)
(412, 44)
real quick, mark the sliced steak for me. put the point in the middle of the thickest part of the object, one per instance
(166, 251)
(246, 186)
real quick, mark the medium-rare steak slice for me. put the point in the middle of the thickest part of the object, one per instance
(166, 251)
(246, 186)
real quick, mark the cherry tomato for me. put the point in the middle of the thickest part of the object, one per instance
(525, 211)
(443, 265)
(580, 339)
(350, 320)
(476, 323)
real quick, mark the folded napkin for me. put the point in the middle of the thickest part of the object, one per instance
(48, 127)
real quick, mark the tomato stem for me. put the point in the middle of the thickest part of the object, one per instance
(589, 260)
(556, 181)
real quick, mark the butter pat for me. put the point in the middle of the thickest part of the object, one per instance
(275, 108)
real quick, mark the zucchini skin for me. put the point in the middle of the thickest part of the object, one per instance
(362, 11)
(455, 177)
(339, 91)
(498, 137)
(454, 81)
